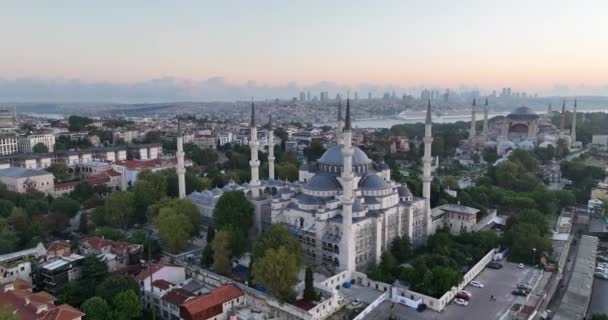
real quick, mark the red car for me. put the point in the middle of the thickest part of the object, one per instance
(463, 296)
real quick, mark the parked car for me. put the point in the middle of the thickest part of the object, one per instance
(466, 293)
(356, 302)
(462, 296)
(520, 293)
(524, 287)
(461, 302)
(601, 275)
(494, 265)
(476, 284)
(521, 266)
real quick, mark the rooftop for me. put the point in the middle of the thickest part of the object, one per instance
(18, 172)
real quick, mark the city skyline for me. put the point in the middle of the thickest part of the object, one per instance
(545, 47)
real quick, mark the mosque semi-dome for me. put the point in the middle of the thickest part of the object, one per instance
(523, 113)
(333, 156)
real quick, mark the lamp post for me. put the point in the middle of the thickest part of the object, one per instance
(533, 256)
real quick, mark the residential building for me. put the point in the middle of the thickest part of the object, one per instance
(455, 217)
(19, 264)
(58, 249)
(216, 305)
(53, 275)
(132, 168)
(8, 144)
(26, 143)
(125, 253)
(153, 289)
(21, 179)
(18, 298)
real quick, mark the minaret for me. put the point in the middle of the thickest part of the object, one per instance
(485, 118)
(562, 119)
(472, 130)
(573, 130)
(181, 170)
(426, 169)
(347, 242)
(270, 149)
(340, 128)
(254, 163)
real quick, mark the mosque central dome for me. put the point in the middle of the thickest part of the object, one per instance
(333, 156)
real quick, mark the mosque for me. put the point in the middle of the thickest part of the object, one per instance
(344, 208)
(521, 129)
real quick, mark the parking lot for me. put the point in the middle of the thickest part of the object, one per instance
(366, 295)
(499, 283)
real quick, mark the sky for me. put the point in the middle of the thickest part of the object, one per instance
(225, 49)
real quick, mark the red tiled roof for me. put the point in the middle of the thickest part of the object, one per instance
(146, 164)
(217, 296)
(98, 179)
(113, 173)
(66, 185)
(147, 272)
(162, 284)
(25, 304)
(177, 296)
(96, 243)
(58, 245)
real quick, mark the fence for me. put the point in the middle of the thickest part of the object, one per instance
(383, 297)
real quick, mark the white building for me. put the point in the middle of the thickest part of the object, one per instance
(8, 144)
(19, 264)
(22, 179)
(26, 143)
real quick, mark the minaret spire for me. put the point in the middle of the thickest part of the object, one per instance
(340, 127)
(472, 130)
(181, 170)
(347, 242)
(573, 129)
(426, 169)
(254, 163)
(485, 118)
(270, 149)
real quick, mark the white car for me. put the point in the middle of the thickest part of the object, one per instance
(521, 266)
(465, 293)
(356, 302)
(461, 302)
(476, 284)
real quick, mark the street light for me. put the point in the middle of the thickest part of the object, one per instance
(533, 256)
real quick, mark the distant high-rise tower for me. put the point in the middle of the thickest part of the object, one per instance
(356, 96)
(369, 96)
(302, 96)
(427, 159)
(308, 96)
(181, 170)
(549, 109)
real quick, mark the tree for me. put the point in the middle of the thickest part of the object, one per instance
(193, 183)
(65, 205)
(151, 246)
(115, 284)
(94, 271)
(8, 238)
(77, 123)
(56, 222)
(126, 305)
(599, 316)
(82, 192)
(119, 209)
(83, 225)
(277, 236)
(35, 207)
(143, 197)
(287, 171)
(314, 151)
(152, 137)
(277, 270)
(6, 208)
(157, 181)
(207, 258)
(309, 288)
(233, 209)
(221, 252)
(40, 148)
(401, 248)
(96, 308)
(185, 207)
(74, 293)
(59, 170)
(174, 228)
